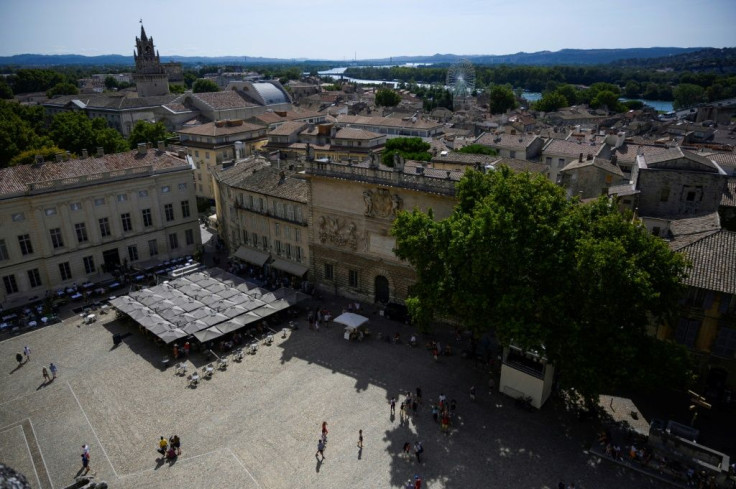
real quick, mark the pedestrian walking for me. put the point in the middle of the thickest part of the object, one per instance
(45, 373)
(176, 444)
(360, 439)
(186, 349)
(392, 402)
(417, 482)
(85, 449)
(162, 446)
(19, 358)
(320, 449)
(407, 449)
(85, 462)
(402, 411)
(472, 393)
(418, 451)
(53, 370)
(324, 431)
(27, 353)
(435, 412)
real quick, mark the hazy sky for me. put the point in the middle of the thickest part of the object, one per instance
(338, 29)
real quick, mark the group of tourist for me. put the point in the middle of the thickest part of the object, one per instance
(170, 448)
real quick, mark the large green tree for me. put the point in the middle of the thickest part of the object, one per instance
(74, 131)
(387, 98)
(550, 102)
(579, 283)
(62, 89)
(410, 148)
(147, 132)
(502, 99)
(687, 95)
(205, 85)
(20, 130)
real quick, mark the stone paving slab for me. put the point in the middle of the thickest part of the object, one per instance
(12, 453)
(256, 424)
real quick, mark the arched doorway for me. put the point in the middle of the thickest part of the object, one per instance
(381, 289)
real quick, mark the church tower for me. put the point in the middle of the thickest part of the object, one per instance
(150, 77)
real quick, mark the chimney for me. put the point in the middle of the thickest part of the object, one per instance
(581, 156)
(38, 160)
(589, 157)
(142, 148)
(100, 151)
(161, 146)
(620, 138)
(59, 157)
(85, 154)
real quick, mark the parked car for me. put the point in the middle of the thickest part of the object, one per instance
(397, 312)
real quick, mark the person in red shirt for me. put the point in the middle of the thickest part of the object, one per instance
(417, 482)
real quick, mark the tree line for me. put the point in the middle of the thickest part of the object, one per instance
(25, 132)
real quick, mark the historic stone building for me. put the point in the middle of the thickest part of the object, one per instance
(150, 76)
(352, 207)
(79, 220)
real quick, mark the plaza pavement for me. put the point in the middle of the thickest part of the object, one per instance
(256, 425)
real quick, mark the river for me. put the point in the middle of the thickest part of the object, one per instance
(659, 105)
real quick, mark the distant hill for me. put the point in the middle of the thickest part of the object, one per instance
(562, 57)
(708, 59)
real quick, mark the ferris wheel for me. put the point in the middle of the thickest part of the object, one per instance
(461, 81)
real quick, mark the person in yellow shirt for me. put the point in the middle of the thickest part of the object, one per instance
(162, 446)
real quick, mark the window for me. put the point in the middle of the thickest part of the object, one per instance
(298, 253)
(290, 212)
(260, 204)
(185, 208)
(189, 237)
(34, 278)
(299, 214)
(142, 194)
(280, 210)
(169, 212)
(65, 271)
(725, 344)
(182, 186)
(264, 241)
(75, 206)
(196, 153)
(656, 230)
(664, 194)
(207, 155)
(277, 244)
(687, 332)
(287, 232)
(512, 154)
(165, 189)
(353, 278)
(81, 230)
(3, 251)
(173, 241)
(89, 264)
(104, 227)
(126, 221)
(548, 161)
(24, 240)
(276, 229)
(122, 197)
(250, 201)
(288, 250)
(56, 240)
(152, 247)
(200, 187)
(51, 211)
(690, 197)
(297, 234)
(199, 177)
(11, 286)
(133, 253)
(147, 219)
(255, 239)
(329, 271)
(99, 202)
(18, 216)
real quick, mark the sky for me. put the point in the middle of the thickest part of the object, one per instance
(344, 29)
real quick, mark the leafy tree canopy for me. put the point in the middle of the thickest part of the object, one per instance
(409, 148)
(550, 102)
(146, 132)
(74, 131)
(29, 156)
(387, 98)
(502, 99)
(478, 149)
(205, 85)
(62, 89)
(578, 283)
(687, 95)
(5, 91)
(18, 130)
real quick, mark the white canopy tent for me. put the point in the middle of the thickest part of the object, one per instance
(351, 320)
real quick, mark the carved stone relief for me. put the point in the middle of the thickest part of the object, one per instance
(381, 203)
(338, 232)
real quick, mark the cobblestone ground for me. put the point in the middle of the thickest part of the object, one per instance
(256, 424)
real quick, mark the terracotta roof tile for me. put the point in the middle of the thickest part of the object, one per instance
(713, 262)
(221, 128)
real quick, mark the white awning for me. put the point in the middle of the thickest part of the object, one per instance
(251, 256)
(351, 320)
(290, 267)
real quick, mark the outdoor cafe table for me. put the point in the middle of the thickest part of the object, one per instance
(32, 324)
(77, 296)
(87, 285)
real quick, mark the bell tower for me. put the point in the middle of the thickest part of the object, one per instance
(150, 77)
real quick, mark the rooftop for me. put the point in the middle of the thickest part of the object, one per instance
(516, 142)
(221, 128)
(255, 176)
(713, 262)
(387, 122)
(88, 171)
